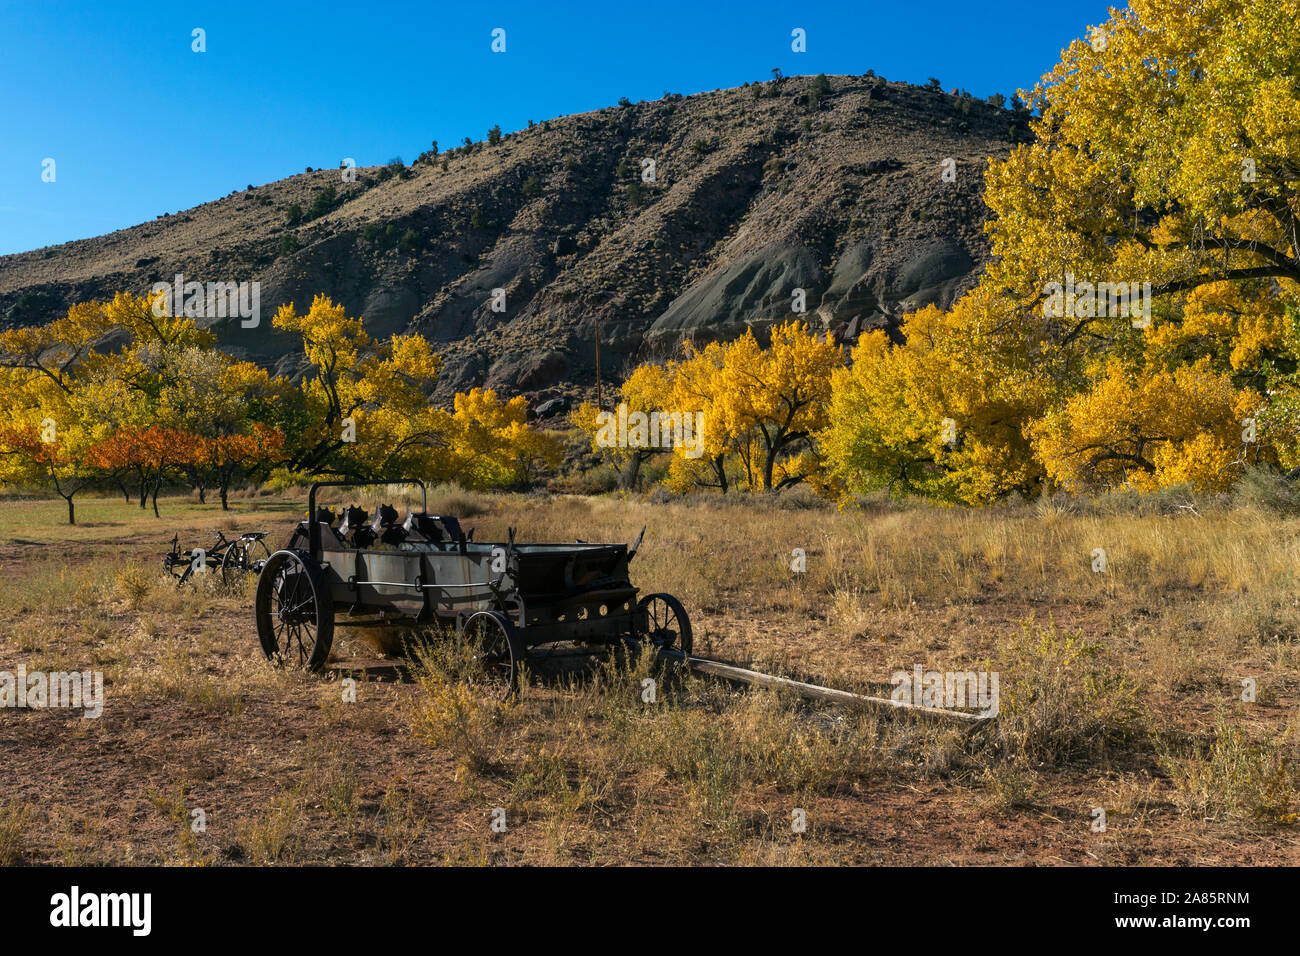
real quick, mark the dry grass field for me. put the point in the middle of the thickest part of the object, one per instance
(1120, 690)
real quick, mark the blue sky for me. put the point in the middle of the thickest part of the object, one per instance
(138, 124)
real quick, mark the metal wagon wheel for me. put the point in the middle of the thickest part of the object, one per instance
(244, 556)
(666, 622)
(496, 653)
(294, 611)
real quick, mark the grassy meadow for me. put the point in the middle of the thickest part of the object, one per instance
(1121, 692)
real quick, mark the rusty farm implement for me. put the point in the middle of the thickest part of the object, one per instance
(503, 599)
(233, 558)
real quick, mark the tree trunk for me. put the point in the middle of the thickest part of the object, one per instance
(225, 491)
(72, 512)
(720, 469)
(157, 482)
(628, 476)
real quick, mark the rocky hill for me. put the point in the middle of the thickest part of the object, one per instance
(832, 187)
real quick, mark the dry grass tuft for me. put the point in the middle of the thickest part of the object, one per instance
(15, 820)
(1062, 698)
(1237, 776)
(455, 714)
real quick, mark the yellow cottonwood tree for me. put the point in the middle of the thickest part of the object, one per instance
(46, 434)
(777, 397)
(943, 414)
(1148, 430)
(698, 386)
(489, 443)
(365, 408)
(646, 391)
(1166, 149)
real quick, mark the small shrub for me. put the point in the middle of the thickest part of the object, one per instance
(1011, 787)
(13, 833)
(322, 202)
(134, 584)
(335, 784)
(453, 714)
(1059, 698)
(401, 828)
(1267, 491)
(271, 838)
(1238, 777)
(173, 806)
(820, 88)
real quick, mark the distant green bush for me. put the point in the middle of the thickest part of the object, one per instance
(321, 203)
(820, 88)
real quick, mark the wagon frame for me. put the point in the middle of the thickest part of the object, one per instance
(502, 598)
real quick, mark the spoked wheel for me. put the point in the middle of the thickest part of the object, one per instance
(294, 610)
(241, 558)
(665, 622)
(495, 653)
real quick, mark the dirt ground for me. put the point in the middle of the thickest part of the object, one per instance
(1121, 694)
